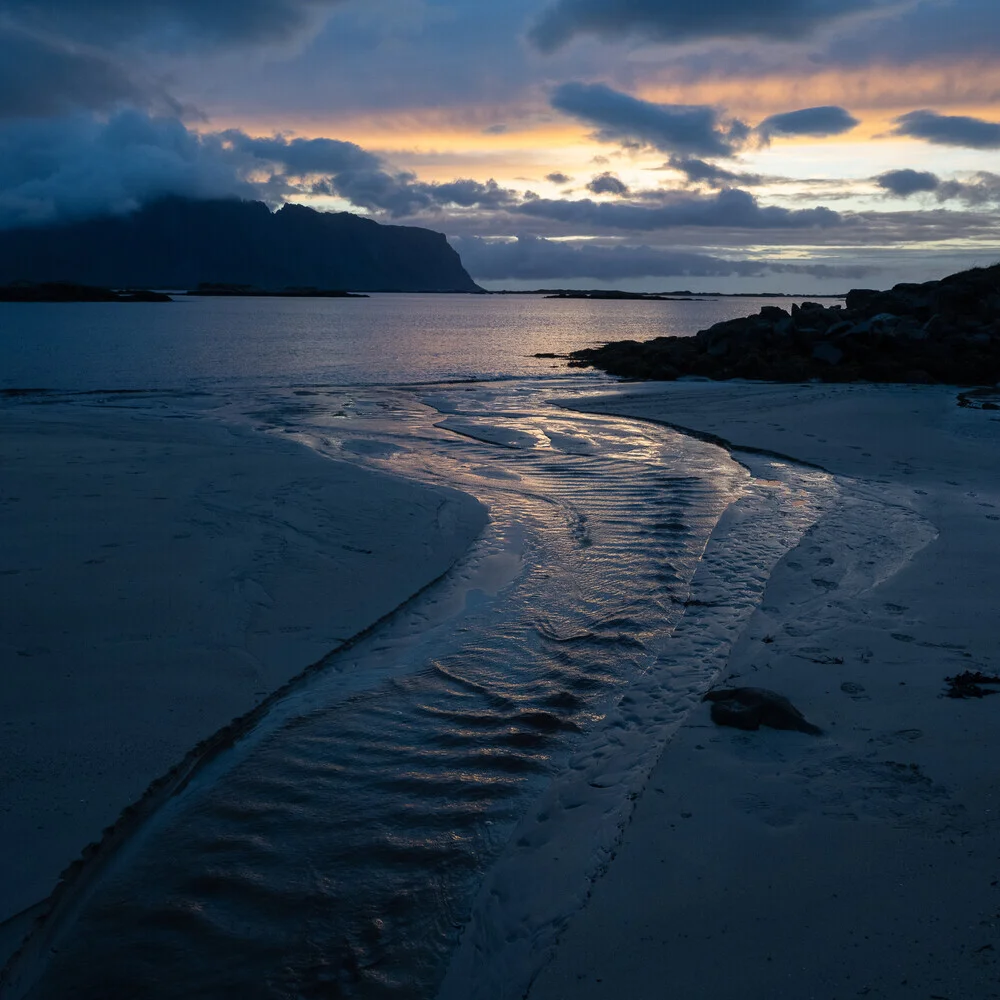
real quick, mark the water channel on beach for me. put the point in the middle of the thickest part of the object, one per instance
(446, 786)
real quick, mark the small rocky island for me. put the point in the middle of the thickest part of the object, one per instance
(945, 331)
(222, 290)
(615, 294)
(66, 291)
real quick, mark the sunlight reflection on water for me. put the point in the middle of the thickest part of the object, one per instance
(387, 339)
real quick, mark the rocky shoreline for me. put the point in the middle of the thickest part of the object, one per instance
(66, 291)
(945, 331)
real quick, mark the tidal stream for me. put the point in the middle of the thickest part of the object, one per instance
(355, 836)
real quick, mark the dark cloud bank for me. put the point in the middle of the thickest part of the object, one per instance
(41, 76)
(906, 182)
(680, 22)
(688, 131)
(76, 167)
(983, 188)
(187, 23)
(62, 55)
(701, 172)
(607, 183)
(817, 122)
(65, 168)
(60, 169)
(949, 130)
(672, 128)
(730, 208)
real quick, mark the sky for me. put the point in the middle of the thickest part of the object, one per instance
(656, 145)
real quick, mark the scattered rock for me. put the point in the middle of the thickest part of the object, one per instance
(970, 684)
(750, 708)
(981, 399)
(856, 691)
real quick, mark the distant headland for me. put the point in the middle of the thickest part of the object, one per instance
(181, 243)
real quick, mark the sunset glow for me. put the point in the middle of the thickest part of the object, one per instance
(872, 126)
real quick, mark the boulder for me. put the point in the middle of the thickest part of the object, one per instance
(828, 353)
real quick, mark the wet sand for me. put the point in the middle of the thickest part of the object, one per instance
(864, 861)
(159, 577)
(859, 862)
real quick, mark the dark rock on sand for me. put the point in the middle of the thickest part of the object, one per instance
(970, 684)
(981, 399)
(751, 708)
(945, 331)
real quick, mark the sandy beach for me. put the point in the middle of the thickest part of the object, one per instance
(159, 577)
(162, 576)
(863, 861)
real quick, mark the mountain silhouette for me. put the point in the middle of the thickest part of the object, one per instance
(179, 242)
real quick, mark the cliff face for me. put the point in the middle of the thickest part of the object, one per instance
(177, 243)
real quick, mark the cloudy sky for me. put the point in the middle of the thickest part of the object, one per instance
(651, 144)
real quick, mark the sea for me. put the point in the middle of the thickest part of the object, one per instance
(422, 815)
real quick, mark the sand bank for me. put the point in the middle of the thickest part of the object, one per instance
(159, 577)
(865, 861)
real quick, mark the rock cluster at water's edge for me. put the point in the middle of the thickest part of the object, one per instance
(945, 331)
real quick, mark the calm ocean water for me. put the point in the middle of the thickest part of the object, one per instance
(420, 817)
(383, 340)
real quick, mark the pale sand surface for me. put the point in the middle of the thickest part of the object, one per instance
(159, 577)
(866, 861)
